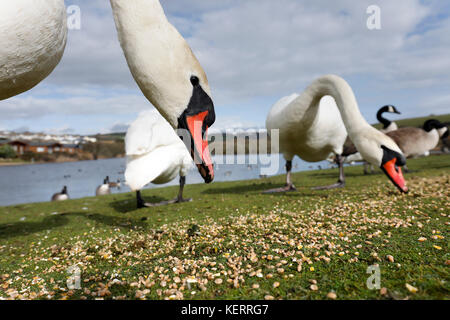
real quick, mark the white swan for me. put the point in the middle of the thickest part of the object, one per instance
(33, 36)
(352, 155)
(168, 74)
(312, 126)
(155, 154)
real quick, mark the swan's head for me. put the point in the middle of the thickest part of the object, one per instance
(193, 124)
(436, 124)
(168, 73)
(391, 164)
(380, 150)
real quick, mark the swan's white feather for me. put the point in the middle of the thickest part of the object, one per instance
(33, 37)
(149, 132)
(159, 58)
(155, 154)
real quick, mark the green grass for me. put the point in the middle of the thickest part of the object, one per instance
(234, 233)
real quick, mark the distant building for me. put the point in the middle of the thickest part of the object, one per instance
(20, 147)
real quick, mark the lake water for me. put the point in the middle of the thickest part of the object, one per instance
(38, 182)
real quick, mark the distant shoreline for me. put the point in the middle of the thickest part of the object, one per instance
(11, 164)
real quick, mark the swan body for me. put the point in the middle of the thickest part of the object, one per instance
(168, 74)
(155, 154)
(321, 128)
(33, 35)
(305, 130)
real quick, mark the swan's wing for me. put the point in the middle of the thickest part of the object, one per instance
(161, 166)
(187, 162)
(148, 132)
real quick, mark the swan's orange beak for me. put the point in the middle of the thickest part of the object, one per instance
(395, 174)
(199, 146)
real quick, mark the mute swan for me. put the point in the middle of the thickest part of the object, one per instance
(416, 142)
(33, 36)
(313, 125)
(351, 154)
(62, 196)
(155, 154)
(103, 189)
(168, 74)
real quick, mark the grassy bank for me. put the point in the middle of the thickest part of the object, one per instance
(232, 242)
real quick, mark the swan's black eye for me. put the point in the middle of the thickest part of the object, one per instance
(195, 81)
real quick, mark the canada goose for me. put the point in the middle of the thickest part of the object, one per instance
(168, 74)
(62, 196)
(310, 126)
(387, 124)
(416, 142)
(103, 189)
(155, 154)
(33, 35)
(116, 184)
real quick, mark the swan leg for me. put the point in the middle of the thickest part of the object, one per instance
(180, 198)
(341, 182)
(289, 187)
(140, 202)
(366, 167)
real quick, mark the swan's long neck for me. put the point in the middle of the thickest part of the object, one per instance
(130, 14)
(345, 99)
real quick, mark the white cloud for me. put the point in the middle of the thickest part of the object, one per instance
(253, 50)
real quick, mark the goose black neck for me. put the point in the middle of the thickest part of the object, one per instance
(386, 123)
(432, 124)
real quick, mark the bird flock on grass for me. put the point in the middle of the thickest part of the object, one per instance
(312, 125)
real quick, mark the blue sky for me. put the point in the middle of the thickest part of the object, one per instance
(254, 52)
